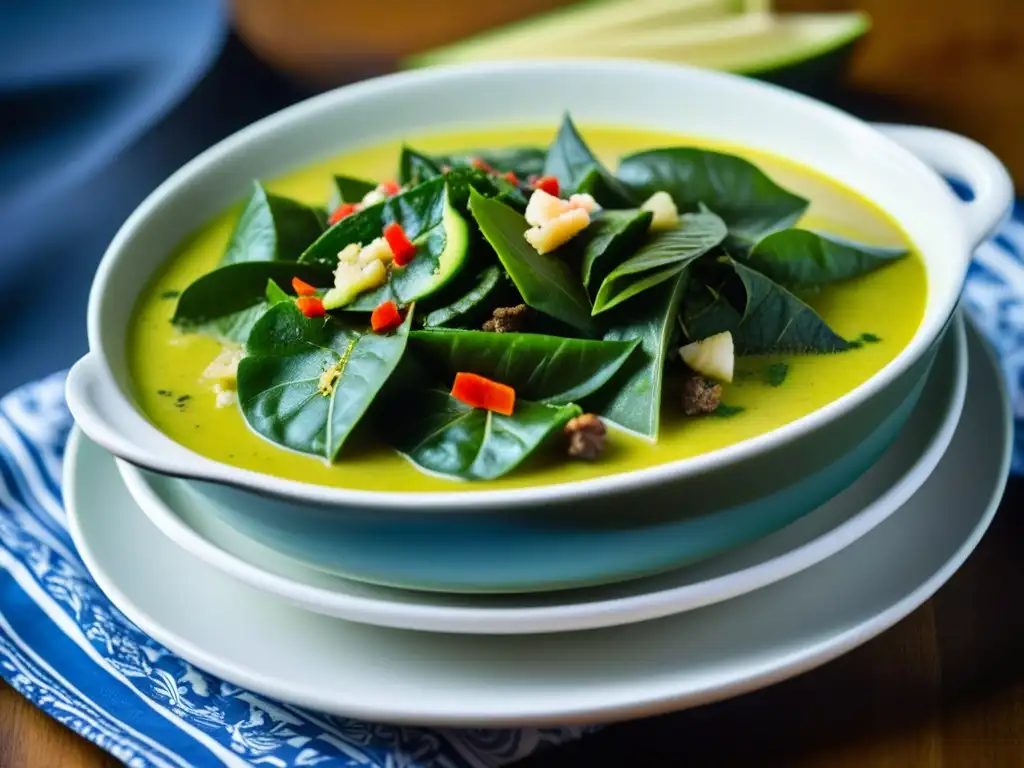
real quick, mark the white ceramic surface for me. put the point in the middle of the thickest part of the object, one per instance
(187, 519)
(265, 644)
(879, 162)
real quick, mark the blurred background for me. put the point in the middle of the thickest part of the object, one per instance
(102, 100)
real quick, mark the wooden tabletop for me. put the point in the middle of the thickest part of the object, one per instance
(945, 687)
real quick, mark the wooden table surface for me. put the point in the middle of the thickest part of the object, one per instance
(945, 687)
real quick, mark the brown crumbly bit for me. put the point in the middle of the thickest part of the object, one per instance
(586, 436)
(508, 319)
(700, 395)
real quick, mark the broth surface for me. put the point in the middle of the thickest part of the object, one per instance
(887, 304)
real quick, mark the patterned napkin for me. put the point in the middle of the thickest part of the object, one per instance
(70, 652)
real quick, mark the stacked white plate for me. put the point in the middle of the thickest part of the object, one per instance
(753, 616)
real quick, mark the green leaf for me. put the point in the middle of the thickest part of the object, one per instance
(271, 228)
(442, 435)
(632, 399)
(749, 202)
(486, 287)
(349, 190)
(706, 311)
(522, 161)
(800, 258)
(281, 389)
(229, 300)
(777, 321)
(550, 369)
(570, 161)
(664, 256)
(545, 282)
(275, 294)
(609, 238)
(775, 374)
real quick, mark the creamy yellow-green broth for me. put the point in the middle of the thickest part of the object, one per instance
(888, 303)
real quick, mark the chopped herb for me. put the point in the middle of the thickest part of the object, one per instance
(855, 344)
(869, 338)
(776, 373)
(164, 392)
(170, 294)
(184, 398)
(726, 411)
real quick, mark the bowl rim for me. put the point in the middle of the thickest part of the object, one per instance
(937, 314)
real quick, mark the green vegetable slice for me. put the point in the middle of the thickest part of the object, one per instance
(447, 437)
(285, 391)
(545, 282)
(550, 369)
(750, 203)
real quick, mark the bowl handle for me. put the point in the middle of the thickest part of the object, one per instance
(105, 415)
(962, 159)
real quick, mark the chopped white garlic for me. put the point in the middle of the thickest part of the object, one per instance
(223, 369)
(713, 357)
(373, 197)
(225, 397)
(544, 207)
(360, 268)
(666, 215)
(558, 231)
(584, 202)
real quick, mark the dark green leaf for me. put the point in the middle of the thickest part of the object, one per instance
(706, 310)
(522, 161)
(275, 294)
(724, 411)
(442, 435)
(271, 228)
(570, 161)
(664, 256)
(607, 241)
(800, 258)
(281, 385)
(777, 321)
(227, 301)
(751, 204)
(545, 282)
(632, 399)
(416, 167)
(349, 190)
(486, 287)
(775, 374)
(550, 369)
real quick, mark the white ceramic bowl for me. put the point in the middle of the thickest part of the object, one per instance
(496, 540)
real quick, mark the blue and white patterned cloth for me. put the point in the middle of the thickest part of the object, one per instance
(71, 653)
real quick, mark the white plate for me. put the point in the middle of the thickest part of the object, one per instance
(268, 645)
(186, 518)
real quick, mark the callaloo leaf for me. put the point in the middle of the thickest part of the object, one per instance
(551, 369)
(227, 301)
(777, 321)
(570, 161)
(522, 161)
(664, 256)
(800, 258)
(606, 242)
(305, 383)
(545, 282)
(706, 311)
(271, 228)
(276, 294)
(482, 294)
(632, 399)
(349, 190)
(442, 435)
(751, 204)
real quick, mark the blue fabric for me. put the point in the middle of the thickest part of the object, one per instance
(69, 651)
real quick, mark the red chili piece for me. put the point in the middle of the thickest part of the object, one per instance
(343, 210)
(302, 288)
(390, 188)
(511, 178)
(402, 249)
(385, 318)
(310, 306)
(548, 184)
(480, 165)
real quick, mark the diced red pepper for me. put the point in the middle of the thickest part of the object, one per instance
(480, 392)
(511, 178)
(343, 210)
(480, 165)
(302, 288)
(402, 249)
(385, 318)
(390, 188)
(310, 306)
(548, 184)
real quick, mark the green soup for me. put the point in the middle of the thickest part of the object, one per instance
(883, 308)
